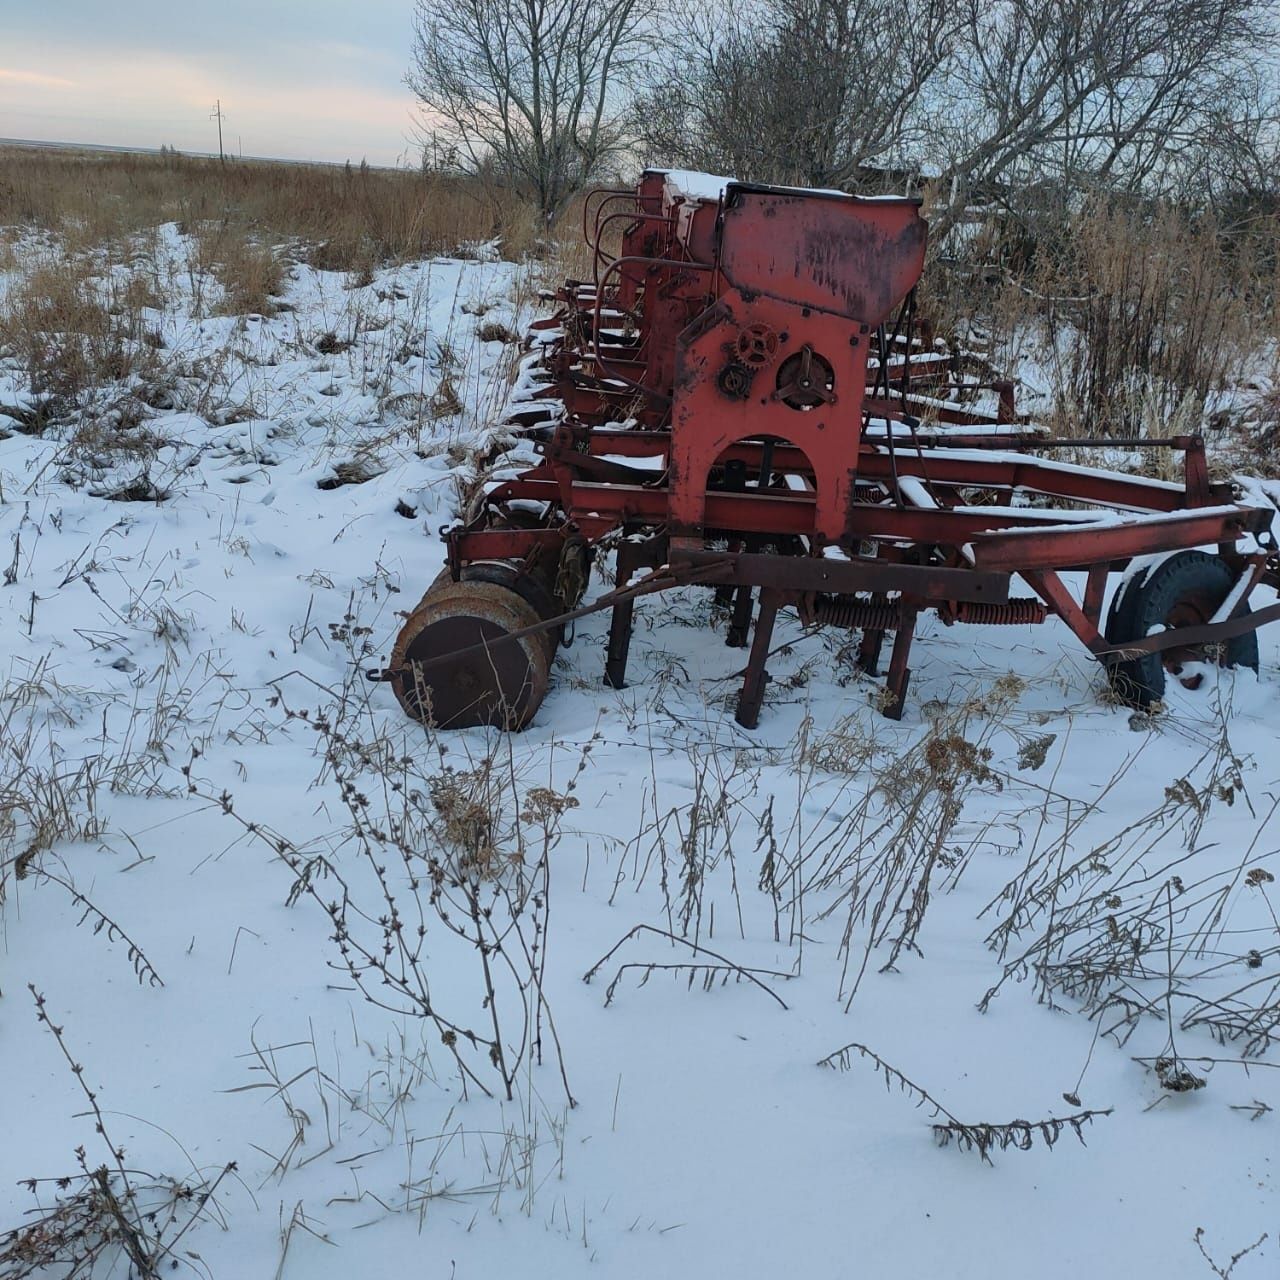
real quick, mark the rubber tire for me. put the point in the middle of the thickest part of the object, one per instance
(1146, 602)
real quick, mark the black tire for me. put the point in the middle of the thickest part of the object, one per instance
(1184, 590)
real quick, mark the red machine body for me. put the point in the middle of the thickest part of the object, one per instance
(742, 397)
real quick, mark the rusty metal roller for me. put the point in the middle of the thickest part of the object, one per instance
(477, 681)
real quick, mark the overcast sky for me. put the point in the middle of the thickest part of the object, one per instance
(298, 79)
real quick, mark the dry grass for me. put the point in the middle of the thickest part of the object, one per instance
(251, 272)
(74, 329)
(90, 277)
(1142, 315)
(348, 218)
(1162, 321)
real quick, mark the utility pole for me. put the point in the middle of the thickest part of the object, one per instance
(216, 114)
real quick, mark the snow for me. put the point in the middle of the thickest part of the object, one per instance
(1050, 515)
(655, 462)
(1237, 593)
(1116, 517)
(705, 1140)
(878, 428)
(916, 492)
(689, 184)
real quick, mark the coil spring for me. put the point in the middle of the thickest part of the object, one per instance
(873, 493)
(849, 611)
(883, 615)
(1015, 612)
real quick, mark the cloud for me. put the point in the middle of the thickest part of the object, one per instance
(146, 97)
(12, 75)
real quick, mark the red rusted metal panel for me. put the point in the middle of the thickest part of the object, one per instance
(853, 258)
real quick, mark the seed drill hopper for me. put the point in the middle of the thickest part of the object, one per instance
(742, 398)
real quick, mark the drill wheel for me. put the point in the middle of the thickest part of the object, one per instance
(500, 684)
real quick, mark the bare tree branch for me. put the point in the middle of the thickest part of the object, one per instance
(532, 91)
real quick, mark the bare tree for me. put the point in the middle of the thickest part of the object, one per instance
(1088, 94)
(797, 91)
(992, 99)
(1230, 157)
(531, 90)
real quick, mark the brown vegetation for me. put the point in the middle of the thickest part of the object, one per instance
(349, 218)
(70, 334)
(1144, 311)
(1143, 314)
(83, 309)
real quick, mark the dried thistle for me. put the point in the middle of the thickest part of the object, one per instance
(980, 1136)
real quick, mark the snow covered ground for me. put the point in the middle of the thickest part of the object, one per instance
(184, 715)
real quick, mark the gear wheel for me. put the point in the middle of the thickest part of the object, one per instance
(757, 344)
(734, 380)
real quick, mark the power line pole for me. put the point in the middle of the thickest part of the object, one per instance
(216, 114)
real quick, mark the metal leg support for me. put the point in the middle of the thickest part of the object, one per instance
(740, 622)
(899, 673)
(869, 652)
(757, 677)
(615, 667)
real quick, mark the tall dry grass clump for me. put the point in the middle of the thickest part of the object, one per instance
(72, 332)
(1149, 315)
(1141, 314)
(251, 272)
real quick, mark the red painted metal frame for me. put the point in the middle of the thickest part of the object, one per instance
(738, 336)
